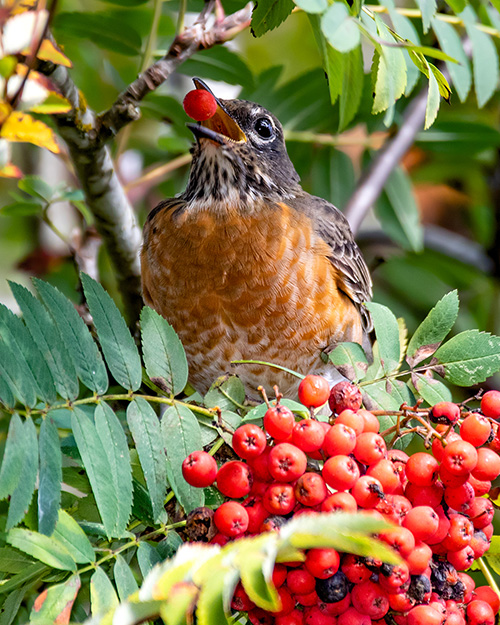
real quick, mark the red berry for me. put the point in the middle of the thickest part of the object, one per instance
(425, 615)
(234, 479)
(460, 497)
(422, 469)
(367, 491)
(370, 448)
(322, 563)
(308, 435)
(279, 499)
(355, 569)
(340, 472)
(295, 617)
(486, 593)
(314, 391)
(339, 502)
(257, 514)
(461, 560)
(490, 404)
(344, 395)
(241, 601)
(310, 489)
(422, 521)
(445, 412)
(199, 469)
(339, 440)
(480, 613)
(386, 474)
(481, 512)
(279, 422)
(370, 598)
(300, 581)
(200, 104)
(459, 457)
(352, 419)
(488, 464)
(418, 560)
(287, 462)
(260, 466)
(372, 424)
(400, 539)
(352, 617)
(231, 519)
(475, 429)
(279, 575)
(249, 441)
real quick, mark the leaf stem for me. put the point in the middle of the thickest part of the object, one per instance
(268, 364)
(488, 575)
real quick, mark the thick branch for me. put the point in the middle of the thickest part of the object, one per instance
(86, 135)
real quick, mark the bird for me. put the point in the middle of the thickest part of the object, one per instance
(246, 265)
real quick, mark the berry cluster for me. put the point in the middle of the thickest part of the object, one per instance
(442, 522)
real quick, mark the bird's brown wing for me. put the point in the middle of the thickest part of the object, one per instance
(331, 225)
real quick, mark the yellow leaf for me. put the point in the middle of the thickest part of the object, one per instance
(10, 171)
(5, 111)
(24, 128)
(49, 52)
(54, 103)
(20, 6)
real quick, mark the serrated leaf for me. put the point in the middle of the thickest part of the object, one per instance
(387, 333)
(428, 10)
(376, 397)
(431, 390)
(109, 31)
(11, 605)
(21, 497)
(433, 330)
(96, 463)
(86, 357)
(48, 339)
(181, 436)
(72, 536)
(55, 603)
(484, 58)
(16, 335)
(117, 343)
(406, 29)
(31, 571)
(23, 128)
(13, 561)
(102, 593)
(450, 42)
(339, 28)
(268, 14)
(350, 359)
(164, 356)
(13, 457)
(6, 396)
(468, 358)
(227, 392)
(147, 557)
(398, 212)
(219, 63)
(124, 579)
(114, 441)
(312, 6)
(255, 559)
(17, 376)
(49, 486)
(146, 432)
(43, 548)
(352, 86)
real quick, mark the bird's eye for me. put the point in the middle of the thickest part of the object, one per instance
(264, 128)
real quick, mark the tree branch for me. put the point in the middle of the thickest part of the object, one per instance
(86, 135)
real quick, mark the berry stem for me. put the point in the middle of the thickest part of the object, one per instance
(216, 446)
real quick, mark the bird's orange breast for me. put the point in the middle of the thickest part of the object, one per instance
(246, 286)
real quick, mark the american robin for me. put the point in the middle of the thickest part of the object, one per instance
(244, 264)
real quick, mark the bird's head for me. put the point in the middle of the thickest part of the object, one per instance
(239, 156)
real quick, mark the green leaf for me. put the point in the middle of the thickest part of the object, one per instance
(44, 548)
(31, 571)
(96, 463)
(468, 358)
(484, 58)
(377, 397)
(340, 29)
(457, 6)
(164, 356)
(48, 339)
(428, 10)
(176, 608)
(387, 333)
(391, 71)
(433, 330)
(210, 603)
(350, 359)
(117, 343)
(13, 561)
(431, 390)
(145, 428)
(6, 396)
(268, 14)
(21, 209)
(86, 357)
(398, 212)
(124, 579)
(13, 457)
(49, 486)
(404, 27)
(71, 536)
(312, 6)
(219, 63)
(11, 605)
(331, 59)
(227, 392)
(333, 176)
(467, 136)
(17, 375)
(23, 492)
(32, 364)
(102, 593)
(107, 31)
(115, 444)
(35, 186)
(54, 605)
(450, 42)
(433, 100)
(352, 86)
(181, 436)
(256, 562)
(147, 556)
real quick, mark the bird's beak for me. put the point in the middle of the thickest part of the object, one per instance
(221, 128)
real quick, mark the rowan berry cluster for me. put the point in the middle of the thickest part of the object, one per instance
(442, 521)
